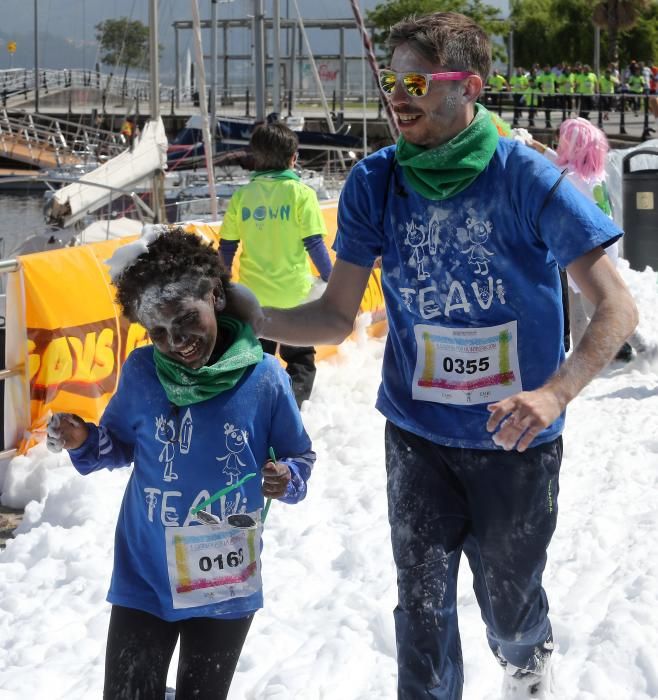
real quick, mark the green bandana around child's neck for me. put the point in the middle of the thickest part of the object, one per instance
(185, 386)
(275, 175)
(444, 171)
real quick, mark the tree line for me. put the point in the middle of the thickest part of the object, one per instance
(548, 31)
(544, 31)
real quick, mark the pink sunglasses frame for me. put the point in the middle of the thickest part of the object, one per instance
(449, 75)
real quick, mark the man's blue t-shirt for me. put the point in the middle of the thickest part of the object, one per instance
(471, 285)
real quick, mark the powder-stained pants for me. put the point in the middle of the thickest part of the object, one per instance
(500, 508)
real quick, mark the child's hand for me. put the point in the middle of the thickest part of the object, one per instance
(276, 477)
(65, 430)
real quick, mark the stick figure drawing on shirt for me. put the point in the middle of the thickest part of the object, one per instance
(165, 432)
(236, 441)
(419, 236)
(478, 233)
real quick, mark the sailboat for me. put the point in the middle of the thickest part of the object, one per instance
(234, 133)
(119, 181)
(64, 347)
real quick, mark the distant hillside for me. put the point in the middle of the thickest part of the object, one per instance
(67, 35)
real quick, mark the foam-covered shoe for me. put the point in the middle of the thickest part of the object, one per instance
(519, 684)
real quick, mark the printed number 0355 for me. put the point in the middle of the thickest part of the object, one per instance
(459, 366)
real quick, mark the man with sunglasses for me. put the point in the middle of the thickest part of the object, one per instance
(470, 228)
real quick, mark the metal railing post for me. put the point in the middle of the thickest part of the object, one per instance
(622, 114)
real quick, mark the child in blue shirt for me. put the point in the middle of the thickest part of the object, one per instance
(200, 414)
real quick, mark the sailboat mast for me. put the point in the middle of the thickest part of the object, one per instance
(390, 118)
(316, 75)
(154, 64)
(203, 108)
(314, 69)
(157, 187)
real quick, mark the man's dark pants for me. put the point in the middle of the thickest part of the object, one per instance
(500, 508)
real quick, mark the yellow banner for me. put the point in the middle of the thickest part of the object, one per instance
(76, 338)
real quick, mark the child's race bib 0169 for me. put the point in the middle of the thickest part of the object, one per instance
(466, 365)
(212, 563)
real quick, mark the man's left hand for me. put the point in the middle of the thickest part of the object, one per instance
(520, 418)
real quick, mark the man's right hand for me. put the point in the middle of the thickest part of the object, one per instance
(325, 321)
(242, 303)
(65, 430)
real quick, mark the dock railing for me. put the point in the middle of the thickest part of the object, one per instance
(49, 142)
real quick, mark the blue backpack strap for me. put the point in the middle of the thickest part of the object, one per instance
(564, 283)
(549, 196)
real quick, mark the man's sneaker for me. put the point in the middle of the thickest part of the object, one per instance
(519, 684)
(625, 353)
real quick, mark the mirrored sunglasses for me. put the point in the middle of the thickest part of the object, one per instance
(416, 84)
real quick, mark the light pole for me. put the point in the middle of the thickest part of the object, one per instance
(36, 58)
(276, 56)
(213, 74)
(259, 59)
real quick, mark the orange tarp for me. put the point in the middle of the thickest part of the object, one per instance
(76, 338)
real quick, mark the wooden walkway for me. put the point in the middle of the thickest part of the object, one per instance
(19, 172)
(39, 155)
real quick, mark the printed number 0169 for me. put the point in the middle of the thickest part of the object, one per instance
(233, 559)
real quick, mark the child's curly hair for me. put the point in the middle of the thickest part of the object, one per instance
(173, 256)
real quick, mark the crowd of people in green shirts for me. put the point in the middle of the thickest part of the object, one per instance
(576, 87)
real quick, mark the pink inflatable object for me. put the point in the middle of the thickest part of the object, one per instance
(582, 148)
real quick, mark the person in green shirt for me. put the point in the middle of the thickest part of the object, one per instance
(607, 89)
(278, 220)
(546, 84)
(565, 85)
(496, 85)
(532, 98)
(636, 86)
(519, 86)
(586, 87)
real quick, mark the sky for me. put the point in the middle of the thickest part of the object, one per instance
(67, 34)
(326, 631)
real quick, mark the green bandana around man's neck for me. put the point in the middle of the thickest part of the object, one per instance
(444, 171)
(275, 175)
(185, 386)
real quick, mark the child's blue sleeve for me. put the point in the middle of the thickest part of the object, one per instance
(289, 439)
(111, 443)
(101, 450)
(227, 250)
(300, 471)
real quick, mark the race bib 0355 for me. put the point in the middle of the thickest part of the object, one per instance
(466, 365)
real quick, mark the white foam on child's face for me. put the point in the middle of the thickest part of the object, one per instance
(150, 308)
(180, 324)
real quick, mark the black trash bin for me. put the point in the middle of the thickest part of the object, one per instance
(640, 198)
